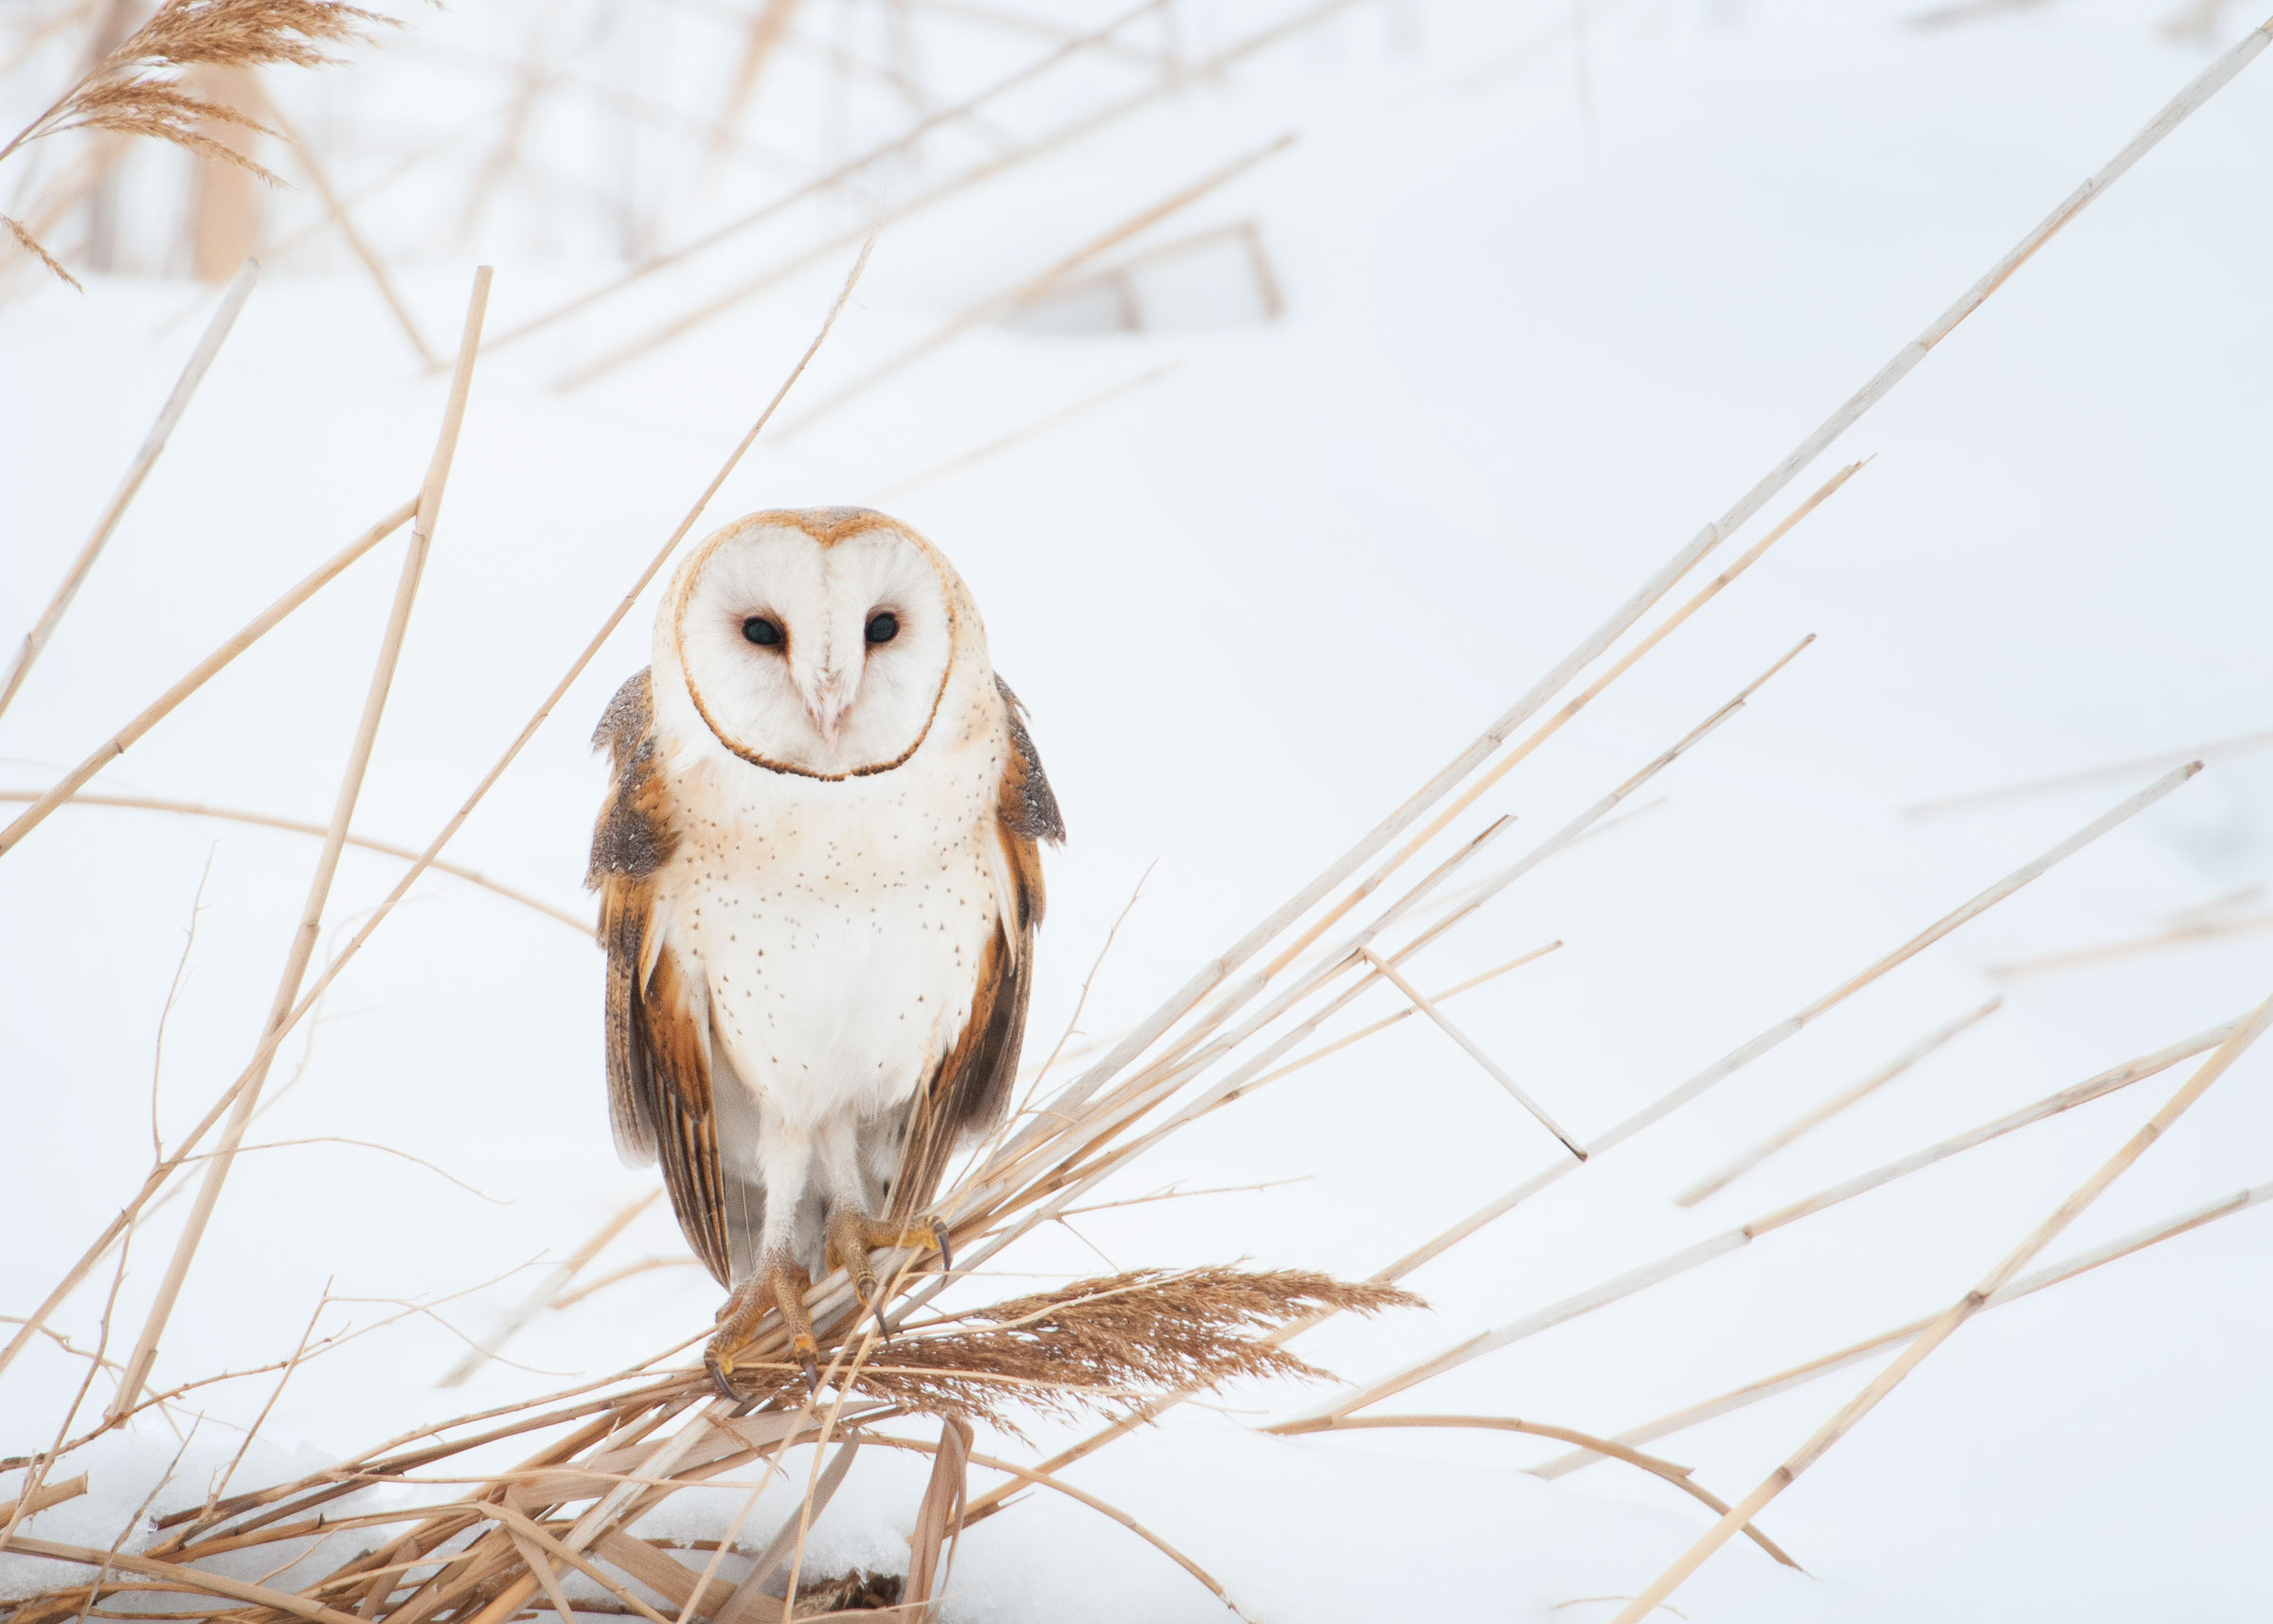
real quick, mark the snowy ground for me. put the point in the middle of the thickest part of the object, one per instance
(1547, 311)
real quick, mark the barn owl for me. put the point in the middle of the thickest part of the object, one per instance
(820, 878)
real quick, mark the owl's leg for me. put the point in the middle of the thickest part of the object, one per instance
(779, 1283)
(851, 1232)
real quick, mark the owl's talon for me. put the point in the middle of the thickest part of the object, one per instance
(807, 1354)
(938, 1238)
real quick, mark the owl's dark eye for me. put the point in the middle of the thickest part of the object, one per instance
(763, 632)
(883, 628)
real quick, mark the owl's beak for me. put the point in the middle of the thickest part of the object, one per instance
(825, 703)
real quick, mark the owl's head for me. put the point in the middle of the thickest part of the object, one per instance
(816, 642)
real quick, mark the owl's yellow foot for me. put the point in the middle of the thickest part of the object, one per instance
(778, 1285)
(850, 1235)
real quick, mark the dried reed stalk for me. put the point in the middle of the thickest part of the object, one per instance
(164, 706)
(2090, 775)
(1027, 431)
(1009, 298)
(298, 826)
(548, 1291)
(1021, 1475)
(834, 178)
(2131, 947)
(269, 1045)
(1956, 1316)
(135, 90)
(1809, 1120)
(1799, 1375)
(153, 444)
(319, 887)
(1680, 1262)
(1728, 1065)
(337, 211)
(678, 327)
(1595, 1448)
(1476, 1051)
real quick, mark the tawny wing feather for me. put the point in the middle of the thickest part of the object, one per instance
(972, 1087)
(658, 1015)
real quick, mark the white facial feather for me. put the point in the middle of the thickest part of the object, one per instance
(818, 696)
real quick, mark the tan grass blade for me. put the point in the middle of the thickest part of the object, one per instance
(1809, 1120)
(176, 1576)
(153, 444)
(938, 1514)
(1043, 1480)
(319, 887)
(1956, 1314)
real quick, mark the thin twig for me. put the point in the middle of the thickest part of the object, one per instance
(153, 444)
(319, 888)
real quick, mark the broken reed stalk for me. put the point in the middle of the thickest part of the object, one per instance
(164, 706)
(1406, 1014)
(1476, 1051)
(1680, 1262)
(153, 444)
(1799, 1375)
(299, 826)
(1008, 298)
(319, 886)
(1026, 431)
(1597, 1448)
(1814, 1117)
(269, 1045)
(1956, 1314)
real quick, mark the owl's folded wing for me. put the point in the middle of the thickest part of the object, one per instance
(970, 1091)
(658, 1025)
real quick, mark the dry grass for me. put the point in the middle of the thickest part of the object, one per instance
(134, 90)
(461, 1539)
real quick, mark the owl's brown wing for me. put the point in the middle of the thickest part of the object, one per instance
(972, 1087)
(659, 1030)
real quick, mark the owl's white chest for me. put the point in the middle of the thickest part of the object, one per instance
(839, 928)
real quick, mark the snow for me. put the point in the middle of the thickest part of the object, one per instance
(1547, 309)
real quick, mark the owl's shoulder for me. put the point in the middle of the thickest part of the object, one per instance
(636, 833)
